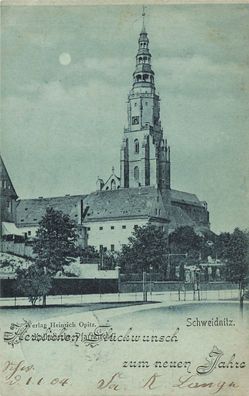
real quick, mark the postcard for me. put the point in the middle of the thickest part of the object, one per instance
(124, 198)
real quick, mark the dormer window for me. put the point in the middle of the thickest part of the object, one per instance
(113, 184)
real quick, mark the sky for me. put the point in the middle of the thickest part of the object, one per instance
(66, 74)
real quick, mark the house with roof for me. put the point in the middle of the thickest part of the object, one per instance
(8, 197)
(112, 215)
(141, 194)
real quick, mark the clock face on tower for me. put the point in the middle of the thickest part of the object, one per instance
(135, 120)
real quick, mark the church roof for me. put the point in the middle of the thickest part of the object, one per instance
(124, 203)
(30, 211)
(184, 197)
(179, 218)
(137, 202)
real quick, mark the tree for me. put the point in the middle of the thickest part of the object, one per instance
(147, 247)
(237, 255)
(88, 253)
(55, 241)
(222, 243)
(185, 240)
(33, 283)
(54, 245)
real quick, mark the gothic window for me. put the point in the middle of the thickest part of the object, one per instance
(136, 173)
(113, 184)
(136, 146)
(9, 206)
(135, 120)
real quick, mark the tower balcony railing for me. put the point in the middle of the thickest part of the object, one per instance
(139, 95)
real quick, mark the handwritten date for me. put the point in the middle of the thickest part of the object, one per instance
(21, 372)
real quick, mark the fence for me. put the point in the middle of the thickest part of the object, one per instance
(167, 298)
(17, 248)
(173, 286)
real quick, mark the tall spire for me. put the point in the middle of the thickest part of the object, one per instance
(143, 15)
(143, 75)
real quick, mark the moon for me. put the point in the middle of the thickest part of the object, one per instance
(65, 59)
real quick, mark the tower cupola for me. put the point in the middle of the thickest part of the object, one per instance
(143, 75)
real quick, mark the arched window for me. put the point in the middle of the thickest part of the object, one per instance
(136, 173)
(113, 184)
(140, 59)
(136, 146)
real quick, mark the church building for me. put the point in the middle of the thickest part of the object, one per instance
(142, 192)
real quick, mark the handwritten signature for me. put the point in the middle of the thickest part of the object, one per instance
(117, 383)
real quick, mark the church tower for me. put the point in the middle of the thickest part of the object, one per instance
(145, 156)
